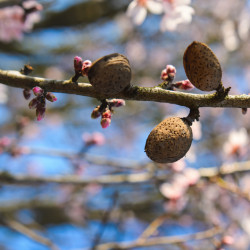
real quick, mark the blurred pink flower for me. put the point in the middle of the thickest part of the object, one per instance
(176, 12)
(237, 142)
(172, 191)
(192, 176)
(137, 9)
(93, 139)
(15, 20)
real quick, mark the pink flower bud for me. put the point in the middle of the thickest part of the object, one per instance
(26, 94)
(85, 67)
(164, 75)
(40, 113)
(171, 71)
(38, 91)
(78, 64)
(105, 122)
(106, 114)
(185, 85)
(96, 113)
(117, 103)
(33, 103)
(51, 97)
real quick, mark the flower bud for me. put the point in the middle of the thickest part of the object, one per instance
(105, 122)
(96, 113)
(26, 94)
(78, 64)
(164, 75)
(40, 112)
(33, 103)
(106, 114)
(37, 91)
(171, 71)
(185, 85)
(51, 97)
(85, 67)
(117, 103)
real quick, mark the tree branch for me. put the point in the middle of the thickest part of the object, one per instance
(16, 79)
(15, 225)
(134, 178)
(156, 241)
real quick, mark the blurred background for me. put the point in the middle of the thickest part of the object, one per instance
(67, 143)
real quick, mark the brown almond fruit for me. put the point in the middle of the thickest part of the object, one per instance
(202, 67)
(110, 74)
(169, 141)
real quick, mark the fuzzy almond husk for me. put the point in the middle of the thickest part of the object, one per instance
(202, 67)
(110, 74)
(169, 141)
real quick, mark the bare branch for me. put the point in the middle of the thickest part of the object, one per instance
(156, 241)
(16, 79)
(15, 225)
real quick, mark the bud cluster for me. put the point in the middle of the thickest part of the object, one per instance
(168, 75)
(105, 110)
(39, 102)
(81, 67)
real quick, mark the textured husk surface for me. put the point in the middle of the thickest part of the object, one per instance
(110, 74)
(169, 141)
(202, 67)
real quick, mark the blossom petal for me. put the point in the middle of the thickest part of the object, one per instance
(137, 12)
(154, 7)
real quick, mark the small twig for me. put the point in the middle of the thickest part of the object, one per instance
(156, 241)
(153, 226)
(15, 225)
(105, 220)
(230, 187)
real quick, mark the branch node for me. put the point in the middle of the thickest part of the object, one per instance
(221, 93)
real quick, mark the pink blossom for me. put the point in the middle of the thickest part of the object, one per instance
(172, 191)
(105, 122)
(93, 139)
(236, 143)
(37, 91)
(16, 20)
(85, 67)
(137, 9)
(51, 97)
(178, 165)
(192, 176)
(176, 12)
(185, 85)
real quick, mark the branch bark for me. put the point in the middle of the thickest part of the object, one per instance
(16, 79)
